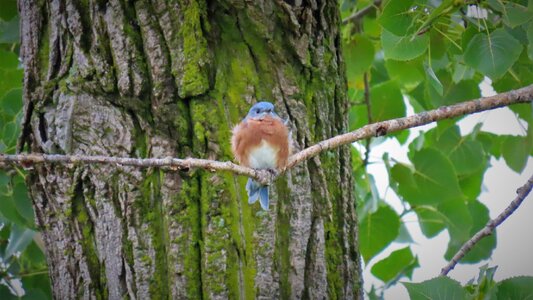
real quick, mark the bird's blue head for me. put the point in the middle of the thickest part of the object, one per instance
(261, 110)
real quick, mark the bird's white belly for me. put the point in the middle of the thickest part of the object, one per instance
(263, 156)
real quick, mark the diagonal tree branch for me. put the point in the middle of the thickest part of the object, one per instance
(522, 95)
(489, 228)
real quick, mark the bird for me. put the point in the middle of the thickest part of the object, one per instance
(261, 141)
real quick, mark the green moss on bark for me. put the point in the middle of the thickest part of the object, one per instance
(150, 207)
(194, 79)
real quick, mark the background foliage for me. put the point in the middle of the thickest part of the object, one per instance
(425, 54)
(417, 53)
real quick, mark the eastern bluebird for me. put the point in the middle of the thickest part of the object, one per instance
(261, 141)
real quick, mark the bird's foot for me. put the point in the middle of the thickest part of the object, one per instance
(273, 172)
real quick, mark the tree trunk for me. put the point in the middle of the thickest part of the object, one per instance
(160, 78)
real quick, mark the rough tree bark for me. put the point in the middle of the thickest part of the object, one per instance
(160, 78)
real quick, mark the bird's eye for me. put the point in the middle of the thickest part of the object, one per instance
(257, 111)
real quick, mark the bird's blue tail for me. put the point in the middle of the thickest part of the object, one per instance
(257, 191)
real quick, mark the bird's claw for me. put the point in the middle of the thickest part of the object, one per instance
(273, 172)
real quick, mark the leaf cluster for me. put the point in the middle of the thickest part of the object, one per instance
(485, 287)
(420, 55)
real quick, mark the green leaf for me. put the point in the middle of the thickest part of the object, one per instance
(404, 236)
(9, 31)
(398, 263)
(9, 9)
(11, 104)
(5, 293)
(8, 60)
(11, 79)
(397, 17)
(403, 47)
(440, 288)
(485, 283)
(465, 153)
(23, 202)
(461, 72)
(432, 181)
(524, 111)
(357, 116)
(521, 76)
(516, 14)
(433, 80)
(455, 93)
(471, 184)
(516, 151)
(491, 142)
(359, 55)
(9, 210)
(409, 74)
(430, 220)
(483, 249)
(19, 239)
(492, 54)
(516, 288)
(378, 230)
(457, 219)
(386, 101)
(530, 40)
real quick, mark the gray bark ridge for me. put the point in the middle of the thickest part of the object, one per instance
(157, 79)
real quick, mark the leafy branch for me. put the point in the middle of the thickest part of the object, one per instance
(362, 12)
(522, 95)
(489, 228)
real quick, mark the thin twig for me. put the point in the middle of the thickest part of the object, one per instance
(522, 95)
(362, 12)
(489, 228)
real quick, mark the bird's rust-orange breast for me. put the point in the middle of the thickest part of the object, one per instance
(250, 133)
